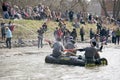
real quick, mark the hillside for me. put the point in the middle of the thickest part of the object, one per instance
(27, 29)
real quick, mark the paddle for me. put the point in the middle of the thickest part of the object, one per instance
(68, 50)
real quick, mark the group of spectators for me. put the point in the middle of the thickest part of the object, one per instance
(6, 33)
(16, 12)
(107, 33)
(40, 12)
(101, 34)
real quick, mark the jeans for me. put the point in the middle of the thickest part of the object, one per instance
(40, 42)
(8, 42)
(82, 37)
(117, 39)
(113, 39)
(5, 15)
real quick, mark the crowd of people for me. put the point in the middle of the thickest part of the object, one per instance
(6, 33)
(41, 12)
(65, 39)
(91, 53)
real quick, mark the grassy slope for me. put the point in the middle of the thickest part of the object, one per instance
(27, 28)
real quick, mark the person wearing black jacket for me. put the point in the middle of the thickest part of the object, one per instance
(3, 30)
(74, 34)
(82, 33)
(92, 34)
(5, 11)
(103, 34)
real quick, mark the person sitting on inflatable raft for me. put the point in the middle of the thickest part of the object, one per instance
(57, 48)
(91, 53)
(70, 45)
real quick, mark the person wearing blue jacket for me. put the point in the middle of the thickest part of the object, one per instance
(8, 38)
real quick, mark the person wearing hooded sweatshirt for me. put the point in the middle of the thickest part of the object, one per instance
(8, 37)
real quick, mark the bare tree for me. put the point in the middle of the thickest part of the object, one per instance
(59, 5)
(103, 5)
(116, 8)
(115, 5)
(83, 5)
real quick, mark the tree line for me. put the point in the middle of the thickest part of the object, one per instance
(62, 5)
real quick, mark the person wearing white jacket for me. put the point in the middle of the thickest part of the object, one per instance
(8, 37)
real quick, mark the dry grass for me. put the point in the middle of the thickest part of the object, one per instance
(27, 29)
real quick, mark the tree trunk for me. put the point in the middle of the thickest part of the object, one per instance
(114, 8)
(103, 5)
(117, 9)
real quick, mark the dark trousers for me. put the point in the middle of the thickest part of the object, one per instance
(113, 39)
(117, 39)
(8, 42)
(56, 54)
(82, 37)
(3, 36)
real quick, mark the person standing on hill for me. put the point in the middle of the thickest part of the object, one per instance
(8, 37)
(40, 37)
(117, 35)
(71, 13)
(66, 36)
(60, 33)
(56, 33)
(74, 34)
(103, 34)
(92, 34)
(99, 26)
(82, 33)
(114, 36)
(44, 26)
(3, 30)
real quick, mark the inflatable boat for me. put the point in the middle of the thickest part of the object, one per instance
(73, 60)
